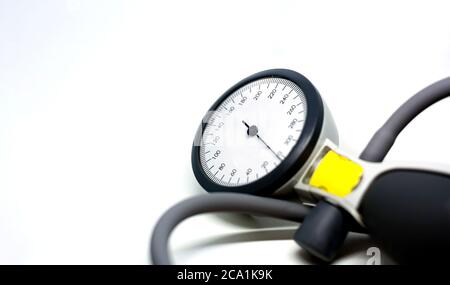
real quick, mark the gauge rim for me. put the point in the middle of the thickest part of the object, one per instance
(299, 153)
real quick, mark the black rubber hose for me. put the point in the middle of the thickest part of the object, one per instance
(384, 138)
(217, 202)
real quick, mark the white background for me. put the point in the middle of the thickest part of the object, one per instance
(99, 102)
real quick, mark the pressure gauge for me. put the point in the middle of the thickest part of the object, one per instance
(256, 137)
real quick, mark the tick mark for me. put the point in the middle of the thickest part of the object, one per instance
(216, 172)
(291, 91)
(222, 177)
(239, 179)
(211, 167)
(301, 111)
(284, 87)
(208, 160)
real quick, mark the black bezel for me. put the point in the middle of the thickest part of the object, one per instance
(296, 157)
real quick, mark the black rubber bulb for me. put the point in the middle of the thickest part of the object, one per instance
(408, 213)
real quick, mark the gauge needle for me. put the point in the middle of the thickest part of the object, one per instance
(253, 131)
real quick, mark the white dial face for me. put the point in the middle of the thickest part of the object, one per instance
(252, 131)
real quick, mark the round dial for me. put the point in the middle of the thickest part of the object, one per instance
(257, 136)
(252, 131)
